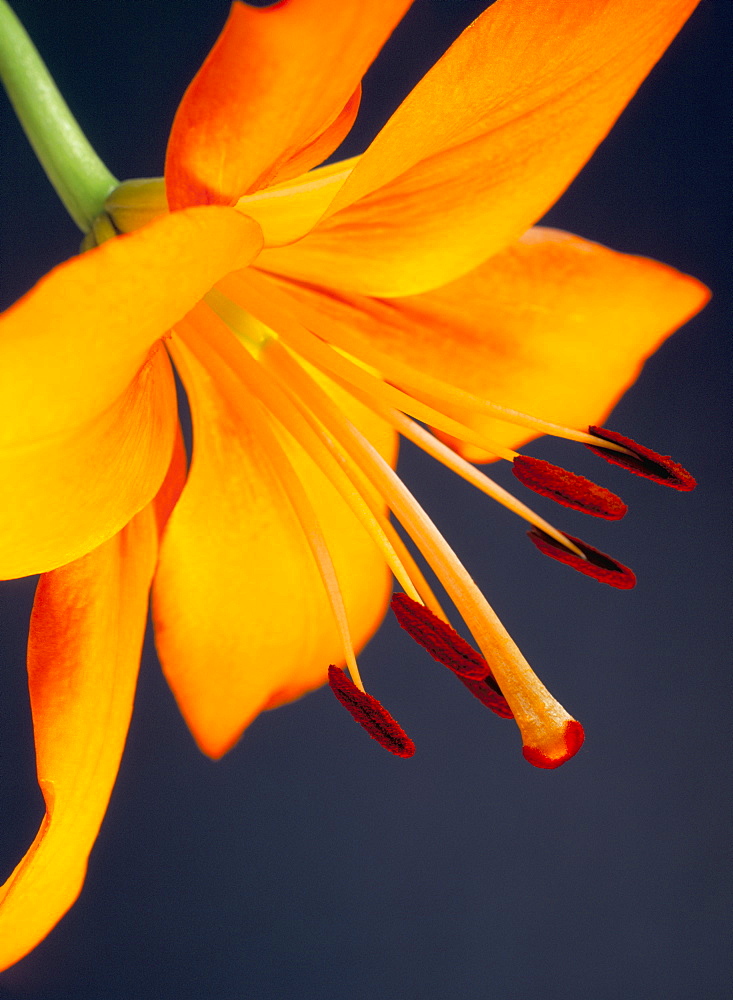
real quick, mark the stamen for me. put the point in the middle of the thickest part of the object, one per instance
(596, 564)
(643, 461)
(488, 693)
(442, 642)
(574, 739)
(370, 714)
(540, 718)
(567, 488)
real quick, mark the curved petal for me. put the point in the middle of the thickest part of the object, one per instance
(86, 635)
(484, 144)
(555, 326)
(81, 392)
(276, 95)
(242, 620)
(67, 494)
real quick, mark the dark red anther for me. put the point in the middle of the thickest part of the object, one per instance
(442, 642)
(370, 714)
(596, 564)
(489, 693)
(568, 488)
(644, 462)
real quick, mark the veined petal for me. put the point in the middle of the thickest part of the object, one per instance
(484, 144)
(276, 95)
(241, 615)
(86, 635)
(555, 325)
(81, 388)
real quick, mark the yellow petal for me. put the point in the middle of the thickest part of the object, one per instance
(86, 635)
(241, 616)
(555, 326)
(275, 96)
(484, 144)
(68, 494)
(87, 406)
(286, 212)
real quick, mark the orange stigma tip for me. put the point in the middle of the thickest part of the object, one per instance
(488, 693)
(370, 714)
(567, 488)
(573, 739)
(644, 462)
(442, 642)
(596, 564)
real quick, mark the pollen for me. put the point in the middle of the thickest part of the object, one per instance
(643, 461)
(440, 640)
(567, 488)
(596, 564)
(370, 714)
(489, 694)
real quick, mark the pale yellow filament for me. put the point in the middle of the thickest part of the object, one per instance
(427, 386)
(251, 411)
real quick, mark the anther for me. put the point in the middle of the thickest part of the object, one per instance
(573, 737)
(596, 564)
(643, 462)
(442, 642)
(370, 714)
(489, 694)
(568, 488)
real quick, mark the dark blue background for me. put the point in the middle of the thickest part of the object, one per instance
(311, 865)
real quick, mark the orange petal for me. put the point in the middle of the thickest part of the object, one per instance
(86, 635)
(276, 95)
(87, 410)
(555, 326)
(484, 144)
(242, 620)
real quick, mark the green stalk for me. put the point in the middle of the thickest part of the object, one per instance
(79, 177)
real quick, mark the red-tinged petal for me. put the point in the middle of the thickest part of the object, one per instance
(485, 143)
(87, 402)
(644, 462)
(241, 614)
(555, 326)
(371, 715)
(170, 491)
(573, 738)
(567, 488)
(596, 564)
(275, 96)
(85, 640)
(440, 640)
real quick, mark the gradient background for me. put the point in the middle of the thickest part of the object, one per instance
(309, 864)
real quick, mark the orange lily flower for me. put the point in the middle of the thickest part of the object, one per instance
(312, 315)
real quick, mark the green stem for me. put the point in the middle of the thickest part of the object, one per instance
(81, 180)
